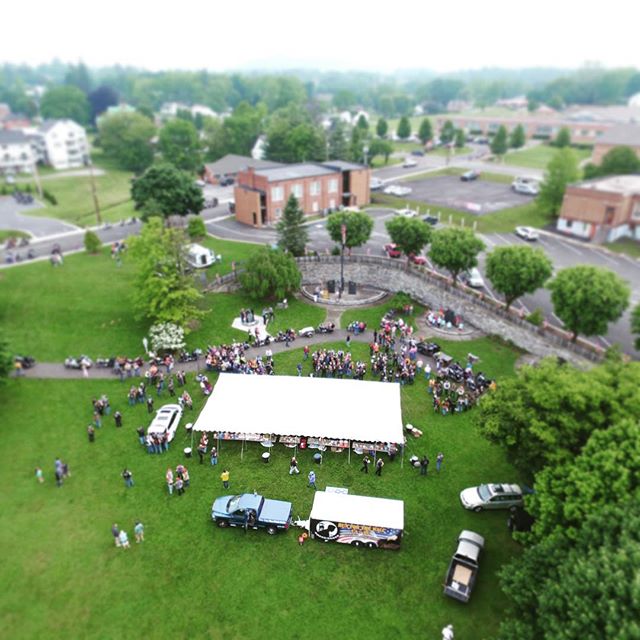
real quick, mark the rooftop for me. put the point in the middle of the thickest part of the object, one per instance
(232, 163)
(624, 134)
(343, 166)
(295, 172)
(624, 185)
(13, 136)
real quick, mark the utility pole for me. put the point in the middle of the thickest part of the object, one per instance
(343, 230)
(94, 193)
(36, 176)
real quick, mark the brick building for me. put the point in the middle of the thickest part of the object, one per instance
(261, 194)
(624, 135)
(603, 209)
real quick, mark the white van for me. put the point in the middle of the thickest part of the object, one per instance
(200, 257)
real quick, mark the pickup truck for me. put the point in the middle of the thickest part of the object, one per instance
(252, 511)
(463, 568)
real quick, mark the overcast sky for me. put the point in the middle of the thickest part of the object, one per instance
(328, 34)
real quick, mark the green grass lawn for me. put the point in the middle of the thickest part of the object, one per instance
(538, 157)
(8, 233)
(378, 162)
(190, 579)
(456, 151)
(458, 171)
(627, 246)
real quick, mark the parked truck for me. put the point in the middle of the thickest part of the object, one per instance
(252, 511)
(463, 568)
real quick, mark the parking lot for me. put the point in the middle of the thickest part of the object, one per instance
(477, 197)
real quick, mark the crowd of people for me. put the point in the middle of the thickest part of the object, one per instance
(442, 319)
(178, 481)
(329, 363)
(232, 358)
(121, 537)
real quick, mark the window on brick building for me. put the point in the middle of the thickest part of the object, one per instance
(277, 194)
(314, 189)
(333, 186)
(297, 190)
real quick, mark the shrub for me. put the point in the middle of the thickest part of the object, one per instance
(166, 336)
(536, 317)
(196, 228)
(92, 243)
(335, 251)
(49, 197)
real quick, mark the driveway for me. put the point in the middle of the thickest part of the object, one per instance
(14, 216)
(476, 197)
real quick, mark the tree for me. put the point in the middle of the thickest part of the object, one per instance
(499, 144)
(517, 137)
(425, 133)
(516, 270)
(382, 127)
(447, 132)
(338, 144)
(410, 235)
(172, 191)
(358, 142)
(379, 147)
(619, 161)
(545, 414)
(404, 128)
(363, 123)
(271, 274)
(126, 137)
(460, 139)
(6, 359)
(101, 99)
(292, 236)
(78, 76)
(561, 170)
(92, 243)
(180, 145)
(563, 138)
(455, 250)
(588, 298)
(196, 228)
(359, 227)
(292, 137)
(635, 325)
(163, 291)
(65, 102)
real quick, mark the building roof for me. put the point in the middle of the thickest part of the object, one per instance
(342, 165)
(295, 172)
(232, 163)
(624, 134)
(363, 510)
(623, 185)
(13, 136)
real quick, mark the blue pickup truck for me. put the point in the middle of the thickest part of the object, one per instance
(251, 511)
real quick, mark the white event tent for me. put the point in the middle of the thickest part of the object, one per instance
(327, 408)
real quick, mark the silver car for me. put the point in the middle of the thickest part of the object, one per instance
(492, 496)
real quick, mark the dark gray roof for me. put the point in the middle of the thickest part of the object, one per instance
(343, 166)
(10, 136)
(231, 164)
(624, 134)
(295, 172)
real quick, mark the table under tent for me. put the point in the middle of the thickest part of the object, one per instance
(306, 413)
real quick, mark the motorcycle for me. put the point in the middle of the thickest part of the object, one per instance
(326, 327)
(190, 356)
(283, 336)
(105, 363)
(27, 361)
(78, 363)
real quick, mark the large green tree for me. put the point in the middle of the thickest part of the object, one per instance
(499, 142)
(338, 142)
(561, 170)
(425, 133)
(359, 226)
(635, 325)
(382, 127)
(619, 161)
(180, 145)
(293, 137)
(379, 147)
(410, 235)
(563, 138)
(447, 132)
(292, 235)
(126, 137)
(65, 102)
(588, 298)
(78, 76)
(516, 270)
(163, 291)
(404, 128)
(101, 99)
(517, 137)
(270, 274)
(455, 250)
(459, 139)
(171, 191)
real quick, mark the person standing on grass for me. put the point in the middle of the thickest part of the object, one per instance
(424, 465)
(365, 464)
(306, 351)
(202, 450)
(127, 476)
(115, 532)
(214, 456)
(97, 421)
(179, 486)
(124, 539)
(140, 432)
(91, 433)
(185, 476)
(139, 531)
(149, 404)
(117, 416)
(224, 476)
(379, 465)
(39, 475)
(293, 466)
(312, 479)
(169, 479)
(439, 460)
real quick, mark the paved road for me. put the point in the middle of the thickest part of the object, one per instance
(14, 217)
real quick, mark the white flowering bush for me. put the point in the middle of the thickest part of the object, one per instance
(166, 336)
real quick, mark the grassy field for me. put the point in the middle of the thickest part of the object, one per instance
(441, 151)
(8, 233)
(625, 245)
(538, 157)
(379, 163)
(191, 580)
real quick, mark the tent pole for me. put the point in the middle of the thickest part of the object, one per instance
(402, 458)
(242, 450)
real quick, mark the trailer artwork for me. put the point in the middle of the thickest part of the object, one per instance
(357, 535)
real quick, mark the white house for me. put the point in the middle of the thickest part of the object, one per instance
(16, 153)
(203, 110)
(61, 144)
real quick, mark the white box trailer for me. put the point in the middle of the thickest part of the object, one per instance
(200, 257)
(361, 521)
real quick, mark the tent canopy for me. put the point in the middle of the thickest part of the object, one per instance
(363, 510)
(299, 406)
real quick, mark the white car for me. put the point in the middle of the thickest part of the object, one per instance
(397, 190)
(375, 184)
(492, 496)
(526, 186)
(473, 278)
(527, 233)
(409, 162)
(166, 421)
(406, 213)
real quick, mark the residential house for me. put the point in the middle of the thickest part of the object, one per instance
(602, 210)
(61, 144)
(16, 153)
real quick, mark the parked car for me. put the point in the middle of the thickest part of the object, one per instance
(473, 278)
(432, 220)
(419, 260)
(492, 496)
(391, 250)
(409, 162)
(397, 190)
(417, 152)
(306, 332)
(481, 140)
(428, 348)
(250, 510)
(526, 186)
(226, 181)
(375, 184)
(527, 233)
(468, 176)
(166, 421)
(406, 213)
(463, 568)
